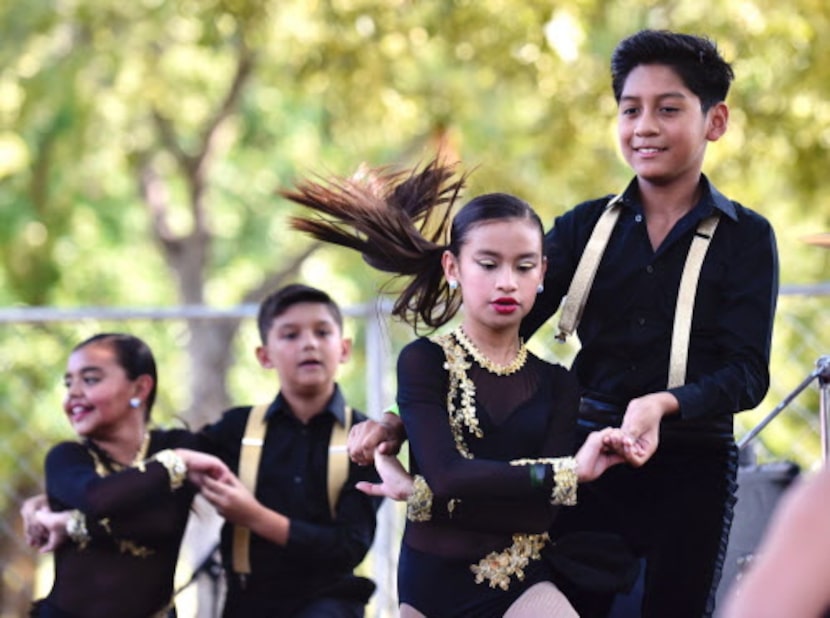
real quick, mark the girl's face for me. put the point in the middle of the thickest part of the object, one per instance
(499, 268)
(98, 391)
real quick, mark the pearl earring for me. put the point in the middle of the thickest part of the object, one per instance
(540, 288)
(453, 284)
(135, 402)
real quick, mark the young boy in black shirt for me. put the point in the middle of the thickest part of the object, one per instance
(303, 529)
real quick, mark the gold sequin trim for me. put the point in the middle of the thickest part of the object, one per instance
(139, 551)
(498, 567)
(565, 478)
(453, 504)
(76, 529)
(461, 388)
(102, 470)
(175, 466)
(419, 503)
(565, 481)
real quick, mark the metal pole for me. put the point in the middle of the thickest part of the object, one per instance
(823, 373)
(378, 363)
(784, 403)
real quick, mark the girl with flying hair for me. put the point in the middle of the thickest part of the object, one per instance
(490, 425)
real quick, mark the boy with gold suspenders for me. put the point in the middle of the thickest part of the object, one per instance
(675, 324)
(296, 527)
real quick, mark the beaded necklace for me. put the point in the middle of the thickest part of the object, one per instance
(104, 465)
(500, 370)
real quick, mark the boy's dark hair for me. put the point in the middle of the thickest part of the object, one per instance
(695, 59)
(277, 303)
(133, 355)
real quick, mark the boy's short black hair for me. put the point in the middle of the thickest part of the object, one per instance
(695, 59)
(277, 303)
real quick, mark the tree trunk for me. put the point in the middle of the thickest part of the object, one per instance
(210, 355)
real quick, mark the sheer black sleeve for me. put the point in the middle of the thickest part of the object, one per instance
(422, 391)
(121, 499)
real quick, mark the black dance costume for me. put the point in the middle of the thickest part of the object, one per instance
(135, 520)
(482, 504)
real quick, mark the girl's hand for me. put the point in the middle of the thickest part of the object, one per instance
(396, 483)
(201, 466)
(601, 450)
(36, 534)
(55, 525)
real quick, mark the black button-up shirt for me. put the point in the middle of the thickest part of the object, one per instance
(625, 330)
(321, 552)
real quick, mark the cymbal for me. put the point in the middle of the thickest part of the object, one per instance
(820, 240)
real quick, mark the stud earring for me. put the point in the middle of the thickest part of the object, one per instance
(135, 402)
(540, 288)
(453, 284)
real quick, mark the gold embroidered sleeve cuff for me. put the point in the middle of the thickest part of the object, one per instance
(175, 465)
(419, 503)
(76, 528)
(564, 481)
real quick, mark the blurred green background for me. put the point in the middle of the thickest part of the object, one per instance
(142, 143)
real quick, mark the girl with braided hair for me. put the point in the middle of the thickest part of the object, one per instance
(491, 426)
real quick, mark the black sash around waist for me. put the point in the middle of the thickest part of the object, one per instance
(599, 412)
(596, 414)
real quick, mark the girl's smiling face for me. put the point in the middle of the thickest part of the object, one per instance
(98, 391)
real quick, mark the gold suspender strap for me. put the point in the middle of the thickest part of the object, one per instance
(586, 269)
(249, 456)
(686, 300)
(589, 263)
(338, 463)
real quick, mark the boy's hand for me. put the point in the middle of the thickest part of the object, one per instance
(642, 422)
(385, 436)
(231, 499)
(396, 483)
(239, 506)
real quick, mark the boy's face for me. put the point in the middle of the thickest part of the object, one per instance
(662, 129)
(305, 346)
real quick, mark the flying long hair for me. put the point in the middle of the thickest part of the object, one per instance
(399, 221)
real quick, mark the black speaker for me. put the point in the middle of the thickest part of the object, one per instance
(759, 489)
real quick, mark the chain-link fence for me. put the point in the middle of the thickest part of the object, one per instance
(35, 343)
